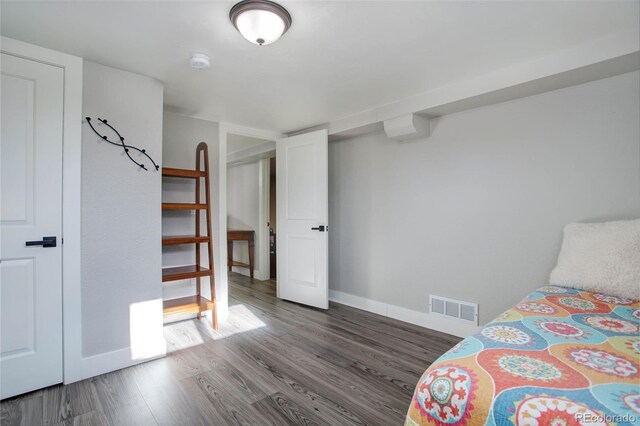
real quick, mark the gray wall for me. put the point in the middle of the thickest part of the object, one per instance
(181, 137)
(121, 269)
(475, 212)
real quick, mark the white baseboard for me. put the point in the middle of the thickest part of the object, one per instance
(423, 319)
(116, 360)
(257, 273)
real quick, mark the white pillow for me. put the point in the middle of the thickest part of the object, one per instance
(601, 257)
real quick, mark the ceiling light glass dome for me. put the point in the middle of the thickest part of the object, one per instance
(260, 21)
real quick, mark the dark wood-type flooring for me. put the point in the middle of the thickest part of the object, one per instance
(271, 363)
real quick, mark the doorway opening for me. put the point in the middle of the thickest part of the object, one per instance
(250, 215)
(301, 248)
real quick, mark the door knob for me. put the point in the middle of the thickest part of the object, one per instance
(319, 228)
(46, 242)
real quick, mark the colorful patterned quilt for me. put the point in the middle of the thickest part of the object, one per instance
(560, 357)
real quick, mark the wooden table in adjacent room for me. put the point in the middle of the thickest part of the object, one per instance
(240, 235)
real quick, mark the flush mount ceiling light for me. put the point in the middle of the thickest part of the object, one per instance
(260, 21)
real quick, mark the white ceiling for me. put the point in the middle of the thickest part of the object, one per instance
(338, 58)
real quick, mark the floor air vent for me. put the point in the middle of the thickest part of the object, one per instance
(454, 309)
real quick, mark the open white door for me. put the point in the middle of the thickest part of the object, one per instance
(302, 206)
(30, 226)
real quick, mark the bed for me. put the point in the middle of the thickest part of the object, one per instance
(560, 356)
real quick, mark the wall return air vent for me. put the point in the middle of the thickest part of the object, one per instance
(454, 309)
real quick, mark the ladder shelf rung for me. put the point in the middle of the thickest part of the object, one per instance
(182, 173)
(183, 206)
(184, 239)
(187, 305)
(175, 273)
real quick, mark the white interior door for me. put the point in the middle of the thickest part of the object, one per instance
(30, 209)
(302, 206)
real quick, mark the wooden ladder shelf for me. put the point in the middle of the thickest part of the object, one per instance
(198, 303)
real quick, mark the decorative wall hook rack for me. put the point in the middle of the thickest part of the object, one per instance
(121, 143)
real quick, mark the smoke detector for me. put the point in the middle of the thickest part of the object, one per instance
(200, 61)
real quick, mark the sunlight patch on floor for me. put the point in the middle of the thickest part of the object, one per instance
(186, 334)
(240, 320)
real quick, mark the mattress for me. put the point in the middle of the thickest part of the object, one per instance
(560, 356)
